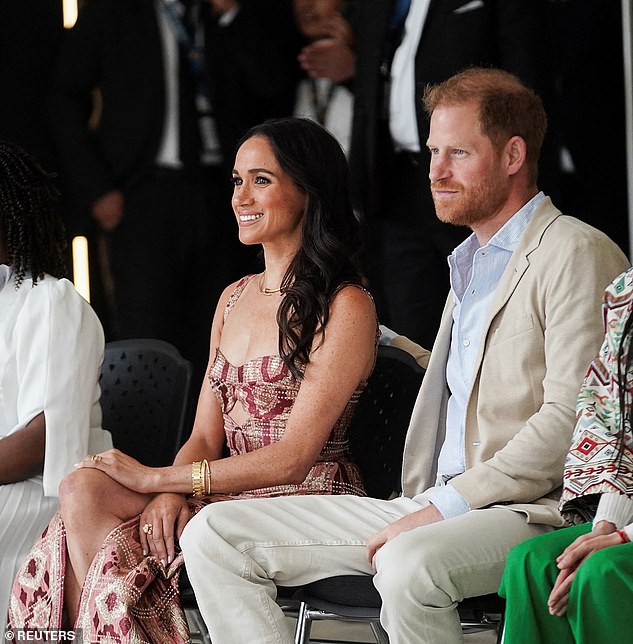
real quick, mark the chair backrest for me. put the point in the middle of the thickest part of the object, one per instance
(381, 421)
(145, 387)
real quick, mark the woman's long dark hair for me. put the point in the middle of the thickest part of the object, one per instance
(326, 259)
(30, 225)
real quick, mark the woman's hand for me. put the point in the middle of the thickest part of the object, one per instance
(161, 524)
(602, 536)
(124, 470)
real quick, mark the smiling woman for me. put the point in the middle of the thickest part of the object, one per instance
(268, 205)
(290, 352)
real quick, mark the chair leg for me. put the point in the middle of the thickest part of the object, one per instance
(304, 625)
(379, 633)
(500, 629)
(197, 627)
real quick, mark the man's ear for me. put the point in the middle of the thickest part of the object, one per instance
(514, 154)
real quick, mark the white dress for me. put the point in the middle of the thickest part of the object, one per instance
(51, 349)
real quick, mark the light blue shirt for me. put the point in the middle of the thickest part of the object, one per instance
(475, 273)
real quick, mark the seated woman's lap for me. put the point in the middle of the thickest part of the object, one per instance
(540, 552)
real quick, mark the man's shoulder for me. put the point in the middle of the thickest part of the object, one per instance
(553, 243)
(568, 232)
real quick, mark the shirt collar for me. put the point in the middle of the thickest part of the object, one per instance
(508, 236)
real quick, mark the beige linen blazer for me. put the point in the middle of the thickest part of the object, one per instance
(544, 328)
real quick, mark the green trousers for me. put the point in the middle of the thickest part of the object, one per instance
(600, 600)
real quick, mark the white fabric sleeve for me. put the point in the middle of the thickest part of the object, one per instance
(615, 508)
(393, 339)
(60, 344)
(449, 502)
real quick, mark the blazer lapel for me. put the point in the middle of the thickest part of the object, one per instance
(519, 263)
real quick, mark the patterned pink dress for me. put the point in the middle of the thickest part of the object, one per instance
(127, 597)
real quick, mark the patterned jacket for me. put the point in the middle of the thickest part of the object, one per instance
(593, 465)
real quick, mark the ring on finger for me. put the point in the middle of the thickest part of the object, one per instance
(148, 528)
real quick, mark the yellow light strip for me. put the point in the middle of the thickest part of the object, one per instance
(70, 13)
(81, 275)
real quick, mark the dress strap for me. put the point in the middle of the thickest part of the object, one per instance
(235, 296)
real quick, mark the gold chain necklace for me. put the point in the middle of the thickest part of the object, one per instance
(266, 291)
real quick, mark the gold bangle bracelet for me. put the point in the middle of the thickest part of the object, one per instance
(197, 478)
(207, 478)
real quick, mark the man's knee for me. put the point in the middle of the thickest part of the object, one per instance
(406, 569)
(217, 523)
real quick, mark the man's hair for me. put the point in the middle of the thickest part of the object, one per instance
(30, 225)
(507, 107)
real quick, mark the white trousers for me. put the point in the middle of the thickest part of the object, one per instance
(235, 552)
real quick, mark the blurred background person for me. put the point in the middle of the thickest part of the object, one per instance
(585, 39)
(143, 162)
(51, 348)
(323, 99)
(400, 47)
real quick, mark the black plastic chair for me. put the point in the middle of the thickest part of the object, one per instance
(377, 443)
(330, 599)
(377, 438)
(145, 386)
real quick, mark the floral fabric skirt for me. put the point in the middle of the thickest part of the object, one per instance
(126, 597)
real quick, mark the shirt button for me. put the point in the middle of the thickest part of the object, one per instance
(466, 343)
(476, 443)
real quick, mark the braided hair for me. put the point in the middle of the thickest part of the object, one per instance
(625, 367)
(30, 225)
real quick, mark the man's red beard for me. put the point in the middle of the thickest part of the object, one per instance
(469, 205)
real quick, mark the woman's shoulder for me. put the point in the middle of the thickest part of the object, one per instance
(232, 293)
(353, 302)
(57, 302)
(354, 295)
(51, 289)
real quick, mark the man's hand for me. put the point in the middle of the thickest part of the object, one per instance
(220, 7)
(329, 58)
(429, 514)
(107, 210)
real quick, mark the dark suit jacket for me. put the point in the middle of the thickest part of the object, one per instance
(116, 47)
(500, 33)
(253, 69)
